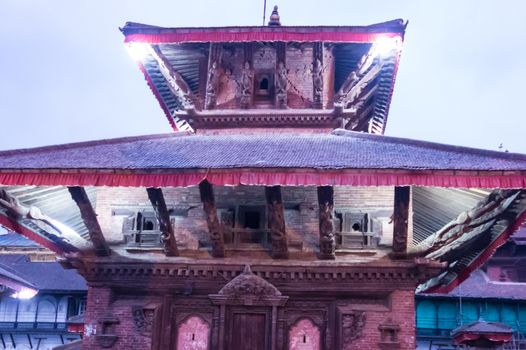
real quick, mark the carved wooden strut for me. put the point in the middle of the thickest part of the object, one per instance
(161, 212)
(214, 227)
(276, 223)
(89, 217)
(326, 214)
(400, 218)
(317, 76)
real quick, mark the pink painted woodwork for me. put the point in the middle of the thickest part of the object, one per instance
(304, 335)
(193, 334)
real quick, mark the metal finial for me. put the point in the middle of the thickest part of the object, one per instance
(274, 18)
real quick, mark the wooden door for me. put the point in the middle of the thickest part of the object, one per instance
(248, 331)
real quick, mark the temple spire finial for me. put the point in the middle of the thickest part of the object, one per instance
(274, 17)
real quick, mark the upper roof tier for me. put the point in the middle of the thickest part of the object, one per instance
(270, 76)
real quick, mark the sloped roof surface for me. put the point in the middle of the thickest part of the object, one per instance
(339, 150)
(43, 275)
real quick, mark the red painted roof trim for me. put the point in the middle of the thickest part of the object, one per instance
(226, 177)
(239, 36)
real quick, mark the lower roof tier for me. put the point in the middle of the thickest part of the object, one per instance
(295, 159)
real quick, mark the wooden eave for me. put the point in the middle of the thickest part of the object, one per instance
(263, 177)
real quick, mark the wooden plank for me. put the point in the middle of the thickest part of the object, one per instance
(89, 217)
(214, 227)
(165, 226)
(400, 218)
(276, 223)
(326, 215)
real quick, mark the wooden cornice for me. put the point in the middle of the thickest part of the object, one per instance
(90, 220)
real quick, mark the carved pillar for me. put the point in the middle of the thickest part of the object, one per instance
(222, 312)
(276, 223)
(246, 83)
(90, 220)
(326, 214)
(167, 333)
(215, 229)
(161, 212)
(281, 79)
(400, 218)
(317, 75)
(213, 74)
(274, 327)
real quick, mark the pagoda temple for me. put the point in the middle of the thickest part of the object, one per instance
(276, 215)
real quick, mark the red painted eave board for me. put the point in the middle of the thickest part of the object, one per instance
(270, 177)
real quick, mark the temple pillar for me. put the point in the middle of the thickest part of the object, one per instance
(326, 215)
(400, 218)
(276, 223)
(214, 227)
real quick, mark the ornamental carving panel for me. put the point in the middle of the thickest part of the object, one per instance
(248, 283)
(304, 335)
(143, 319)
(352, 327)
(193, 334)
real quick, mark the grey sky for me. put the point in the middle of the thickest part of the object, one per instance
(65, 75)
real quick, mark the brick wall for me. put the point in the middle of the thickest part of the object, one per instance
(398, 310)
(401, 314)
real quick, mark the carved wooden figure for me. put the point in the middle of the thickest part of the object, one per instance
(400, 218)
(167, 232)
(214, 227)
(276, 222)
(326, 214)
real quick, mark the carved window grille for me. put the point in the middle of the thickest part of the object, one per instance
(356, 229)
(304, 335)
(193, 334)
(141, 229)
(244, 225)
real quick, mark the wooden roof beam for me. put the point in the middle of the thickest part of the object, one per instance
(89, 217)
(175, 81)
(214, 227)
(165, 225)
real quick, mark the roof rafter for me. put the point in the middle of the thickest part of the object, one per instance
(89, 217)
(175, 81)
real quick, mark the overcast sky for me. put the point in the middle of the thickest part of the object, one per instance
(65, 75)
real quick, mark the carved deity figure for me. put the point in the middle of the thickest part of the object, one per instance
(246, 85)
(327, 242)
(276, 226)
(317, 82)
(212, 85)
(281, 85)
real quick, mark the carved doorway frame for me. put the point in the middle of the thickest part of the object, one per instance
(248, 293)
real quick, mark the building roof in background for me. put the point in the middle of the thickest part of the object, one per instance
(478, 285)
(12, 239)
(45, 276)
